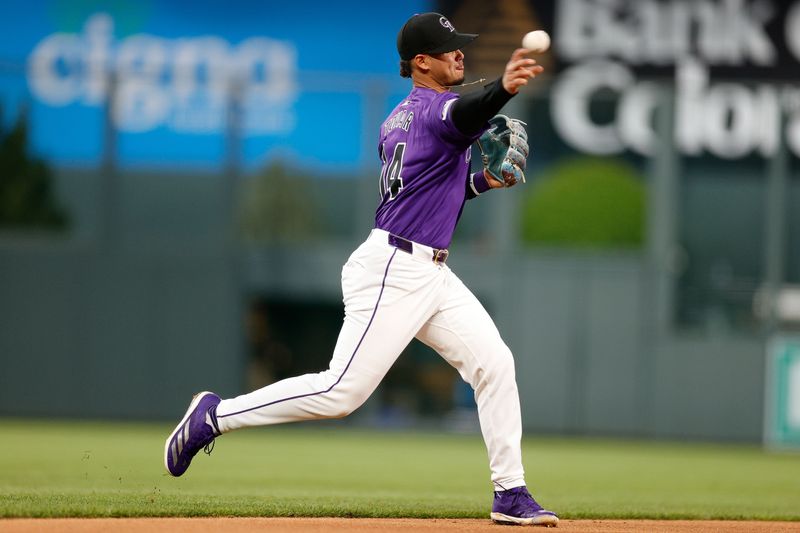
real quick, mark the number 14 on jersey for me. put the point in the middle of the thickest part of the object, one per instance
(391, 171)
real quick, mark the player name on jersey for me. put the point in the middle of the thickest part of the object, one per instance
(399, 120)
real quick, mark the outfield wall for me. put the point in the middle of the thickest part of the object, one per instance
(132, 333)
(156, 123)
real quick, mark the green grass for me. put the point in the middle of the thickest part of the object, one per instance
(114, 469)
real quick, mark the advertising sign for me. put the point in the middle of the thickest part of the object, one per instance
(178, 69)
(782, 401)
(733, 66)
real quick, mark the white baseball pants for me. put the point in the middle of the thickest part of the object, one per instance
(390, 297)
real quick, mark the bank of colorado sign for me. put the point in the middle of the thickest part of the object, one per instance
(733, 66)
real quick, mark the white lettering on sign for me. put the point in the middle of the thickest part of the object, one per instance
(572, 95)
(183, 84)
(728, 120)
(792, 30)
(605, 39)
(657, 32)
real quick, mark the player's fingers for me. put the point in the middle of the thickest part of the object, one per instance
(519, 53)
(520, 74)
(521, 63)
(526, 70)
(515, 78)
(520, 82)
(524, 74)
(533, 68)
(520, 77)
(493, 181)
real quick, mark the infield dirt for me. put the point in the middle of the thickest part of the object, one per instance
(383, 525)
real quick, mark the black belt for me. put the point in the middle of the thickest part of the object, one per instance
(438, 256)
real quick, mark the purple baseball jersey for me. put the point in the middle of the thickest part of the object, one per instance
(425, 169)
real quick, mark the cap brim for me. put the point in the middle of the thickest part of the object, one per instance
(458, 41)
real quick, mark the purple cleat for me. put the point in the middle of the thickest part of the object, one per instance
(198, 429)
(517, 507)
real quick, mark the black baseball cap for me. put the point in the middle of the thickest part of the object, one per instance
(430, 33)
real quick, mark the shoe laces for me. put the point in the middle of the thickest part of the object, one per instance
(211, 420)
(208, 448)
(522, 496)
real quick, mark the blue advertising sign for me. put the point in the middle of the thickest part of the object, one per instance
(294, 71)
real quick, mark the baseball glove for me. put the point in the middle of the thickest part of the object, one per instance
(504, 149)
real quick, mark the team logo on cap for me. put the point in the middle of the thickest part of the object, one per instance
(446, 23)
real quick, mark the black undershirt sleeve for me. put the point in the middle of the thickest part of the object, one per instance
(471, 111)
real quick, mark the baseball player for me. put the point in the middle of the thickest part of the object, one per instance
(397, 285)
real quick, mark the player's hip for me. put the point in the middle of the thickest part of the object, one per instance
(377, 263)
(425, 254)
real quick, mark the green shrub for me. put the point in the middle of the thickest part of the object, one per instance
(27, 196)
(585, 202)
(275, 206)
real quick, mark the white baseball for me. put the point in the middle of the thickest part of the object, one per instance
(536, 41)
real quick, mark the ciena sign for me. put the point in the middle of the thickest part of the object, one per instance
(181, 84)
(609, 43)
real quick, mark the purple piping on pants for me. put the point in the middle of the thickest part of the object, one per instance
(374, 312)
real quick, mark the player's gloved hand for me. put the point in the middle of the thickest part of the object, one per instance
(504, 150)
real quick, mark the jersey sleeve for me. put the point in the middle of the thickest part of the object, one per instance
(476, 184)
(473, 110)
(441, 120)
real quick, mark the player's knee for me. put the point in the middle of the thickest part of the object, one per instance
(501, 366)
(345, 404)
(346, 407)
